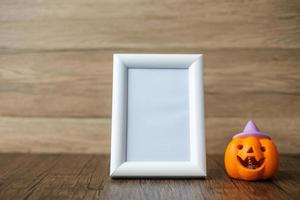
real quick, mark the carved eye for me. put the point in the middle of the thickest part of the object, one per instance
(263, 149)
(239, 146)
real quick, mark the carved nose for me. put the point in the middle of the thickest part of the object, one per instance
(250, 150)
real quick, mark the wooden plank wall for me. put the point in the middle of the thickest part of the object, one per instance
(56, 67)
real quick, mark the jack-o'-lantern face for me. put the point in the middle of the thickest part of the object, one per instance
(251, 158)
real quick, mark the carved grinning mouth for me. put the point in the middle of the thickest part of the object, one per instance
(250, 162)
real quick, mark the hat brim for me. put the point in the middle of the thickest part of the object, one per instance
(253, 134)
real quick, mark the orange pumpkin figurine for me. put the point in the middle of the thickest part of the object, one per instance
(251, 155)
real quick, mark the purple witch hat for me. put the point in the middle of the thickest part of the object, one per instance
(251, 130)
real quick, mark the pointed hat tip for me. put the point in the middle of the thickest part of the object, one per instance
(251, 127)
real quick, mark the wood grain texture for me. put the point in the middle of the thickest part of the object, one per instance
(54, 135)
(50, 135)
(56, 66)
(148, 24)
(86, 177)
(78, 83)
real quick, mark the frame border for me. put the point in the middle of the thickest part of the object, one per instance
(119, 167)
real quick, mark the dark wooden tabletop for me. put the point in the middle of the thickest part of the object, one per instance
(61, 176)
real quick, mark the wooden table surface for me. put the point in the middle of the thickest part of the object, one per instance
(85, 176)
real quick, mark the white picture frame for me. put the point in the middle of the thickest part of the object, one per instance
(125, 64)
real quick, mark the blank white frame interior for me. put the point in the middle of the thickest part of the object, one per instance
(195, 165)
